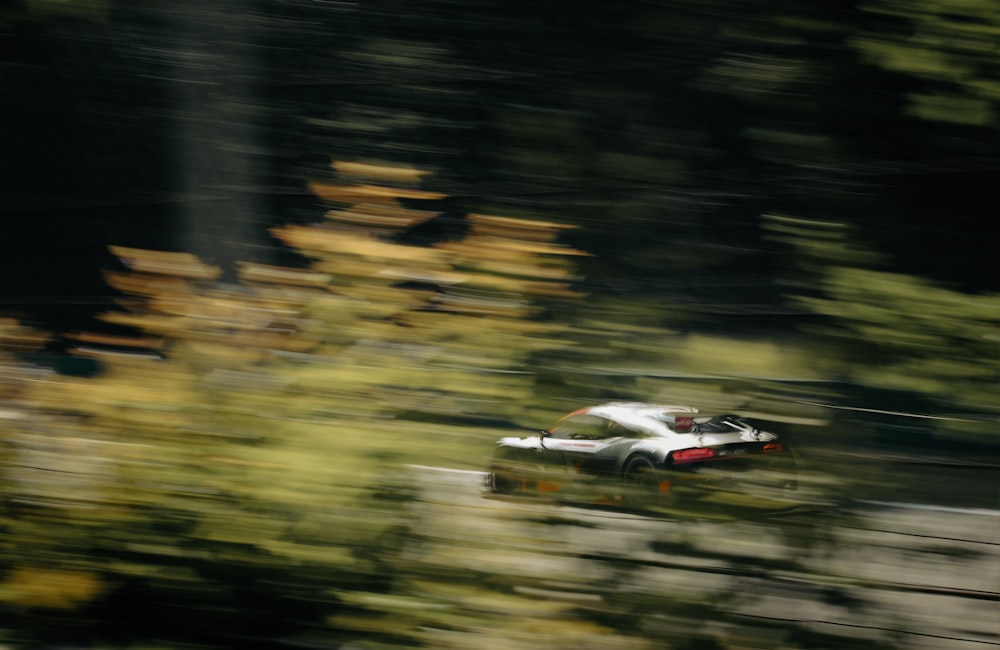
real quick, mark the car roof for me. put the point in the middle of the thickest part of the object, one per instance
(641, 415)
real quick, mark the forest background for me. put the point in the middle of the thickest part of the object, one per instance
(398, 230)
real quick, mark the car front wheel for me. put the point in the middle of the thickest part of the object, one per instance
(498, 482)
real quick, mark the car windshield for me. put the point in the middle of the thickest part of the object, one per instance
(581, 426)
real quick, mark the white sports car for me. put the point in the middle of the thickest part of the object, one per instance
(627, 451)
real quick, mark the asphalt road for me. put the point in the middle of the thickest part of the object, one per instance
(909, 575)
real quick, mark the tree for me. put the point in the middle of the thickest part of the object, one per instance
(235, 456)
(896, 332)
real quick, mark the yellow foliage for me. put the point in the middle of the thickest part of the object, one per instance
(15, 337)
(508, 248)
(143, 284)
(277, 407)
(150, 323)
(49, 588)
(253, 272)
(371, 193)
(317, 240)
(381, 216)
(114, 340)
(449, 325)
(183, 265)
(379, 172)
(512, 228)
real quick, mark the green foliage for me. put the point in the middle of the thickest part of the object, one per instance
(946, 43)
(918, 336)
(242, 462)
(897, 332)
(256, 481)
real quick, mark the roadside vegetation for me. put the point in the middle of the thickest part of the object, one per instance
(269, 438)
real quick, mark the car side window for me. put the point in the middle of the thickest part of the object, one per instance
(585, 427)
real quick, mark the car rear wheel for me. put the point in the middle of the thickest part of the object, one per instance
(642, 485)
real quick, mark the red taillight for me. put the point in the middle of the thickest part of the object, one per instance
(692, 455)
(772, 447)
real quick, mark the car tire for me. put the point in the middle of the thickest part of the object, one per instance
(498, 483)
(640, 481)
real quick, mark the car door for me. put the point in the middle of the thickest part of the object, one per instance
(576, 442)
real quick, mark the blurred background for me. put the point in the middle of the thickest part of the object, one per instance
(276, 274)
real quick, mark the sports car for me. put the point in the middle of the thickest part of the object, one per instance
(631, 452)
